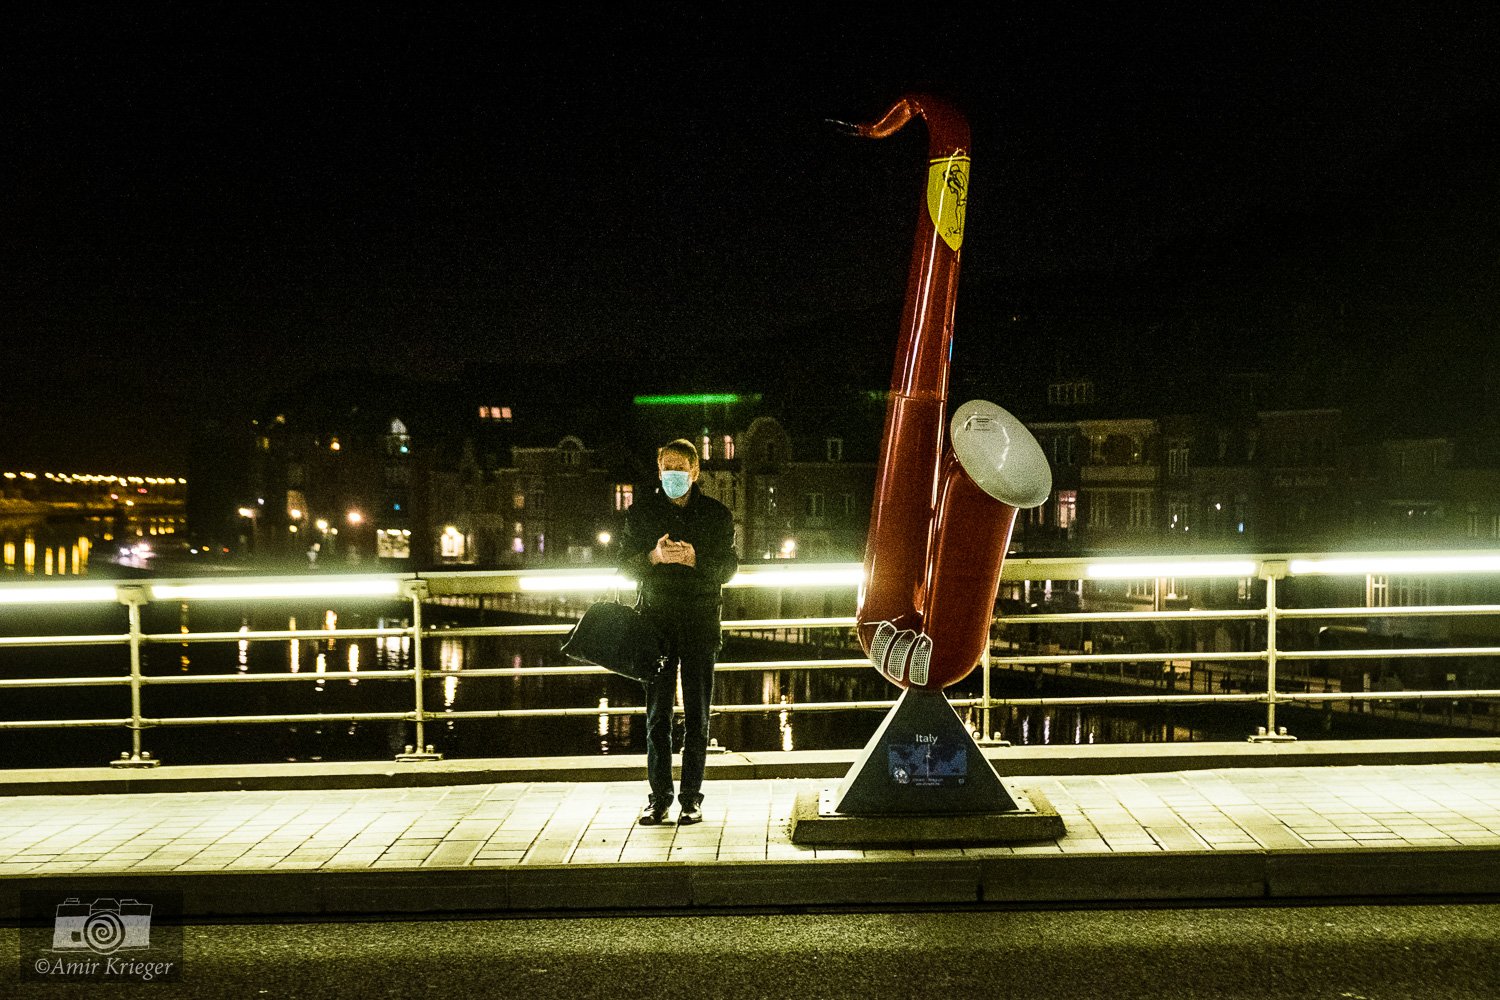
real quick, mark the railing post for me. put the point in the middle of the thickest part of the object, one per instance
(416, 591)
(133, 597)
(987, 737)
(984, 665)
(1270, 572)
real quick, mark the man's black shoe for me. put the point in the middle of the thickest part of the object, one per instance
(690, 815)
(653, 814)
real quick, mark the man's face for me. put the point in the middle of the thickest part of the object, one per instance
(673, 462)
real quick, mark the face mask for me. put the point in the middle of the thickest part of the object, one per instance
(675, 484)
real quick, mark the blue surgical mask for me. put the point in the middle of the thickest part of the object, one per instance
(675, 484)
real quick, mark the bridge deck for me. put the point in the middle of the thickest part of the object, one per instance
(1219, 833)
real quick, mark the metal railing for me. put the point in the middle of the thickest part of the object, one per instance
(418, 591)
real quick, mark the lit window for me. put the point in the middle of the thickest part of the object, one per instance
(518, 501)
(835, 449)
(1067, 508)
(728, 447)
(393, 543)
(518, 545)
(453, 544)
(624, 495)
(705, 448)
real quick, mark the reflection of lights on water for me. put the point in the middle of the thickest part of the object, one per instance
(321, 668)
(296, 647)
(450, 662)
(183, 660)
(603, 716)
(390, 649)
(784, 720)
(244, 650)
(353, 663)
(330, 622)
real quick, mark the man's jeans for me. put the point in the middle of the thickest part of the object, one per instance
(696, 664)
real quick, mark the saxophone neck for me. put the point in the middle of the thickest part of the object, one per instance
(947, 130)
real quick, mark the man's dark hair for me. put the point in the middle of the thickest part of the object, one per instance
(682, 447)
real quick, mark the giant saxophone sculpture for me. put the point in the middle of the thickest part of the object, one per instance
(943, 512)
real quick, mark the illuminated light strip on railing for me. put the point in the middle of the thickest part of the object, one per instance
(575, 583)
(1177, 568)
(270, 591)
(835, 575)
(1395, 565)
(57, 595)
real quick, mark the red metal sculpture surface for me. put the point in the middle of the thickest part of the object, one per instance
(944, 507)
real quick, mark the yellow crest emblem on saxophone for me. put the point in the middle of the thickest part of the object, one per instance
(948, 197)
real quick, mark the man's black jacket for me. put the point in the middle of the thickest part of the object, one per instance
(684, 598)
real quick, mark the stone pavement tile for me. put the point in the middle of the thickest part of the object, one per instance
(1178, 838)
(453, 852)
(1076, 845)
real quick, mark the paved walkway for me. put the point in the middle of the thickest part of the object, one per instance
(1184, 834)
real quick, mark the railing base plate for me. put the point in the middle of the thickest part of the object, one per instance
(411, 753)
(1262, 736)
(144, 760)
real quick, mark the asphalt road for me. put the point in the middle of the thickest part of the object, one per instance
(1388, 952)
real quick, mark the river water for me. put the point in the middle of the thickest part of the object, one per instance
(778, 727)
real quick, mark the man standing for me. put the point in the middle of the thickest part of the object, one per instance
(679, 544)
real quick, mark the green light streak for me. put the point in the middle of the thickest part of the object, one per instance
(692, 399)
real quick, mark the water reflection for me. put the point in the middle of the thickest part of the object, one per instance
(615, 727)
(37, 549)
(450, 662)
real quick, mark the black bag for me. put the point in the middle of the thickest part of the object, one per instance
(618, 638)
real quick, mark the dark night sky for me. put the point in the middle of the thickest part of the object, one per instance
(203, 203)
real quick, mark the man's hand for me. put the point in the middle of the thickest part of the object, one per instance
(668, 551)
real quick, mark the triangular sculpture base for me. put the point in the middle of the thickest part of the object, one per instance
(922, 779)
(922, 759)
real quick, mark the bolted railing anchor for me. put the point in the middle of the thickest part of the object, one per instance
(713, 746)
(410, 753)
(1262, 736)
(142, 759)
